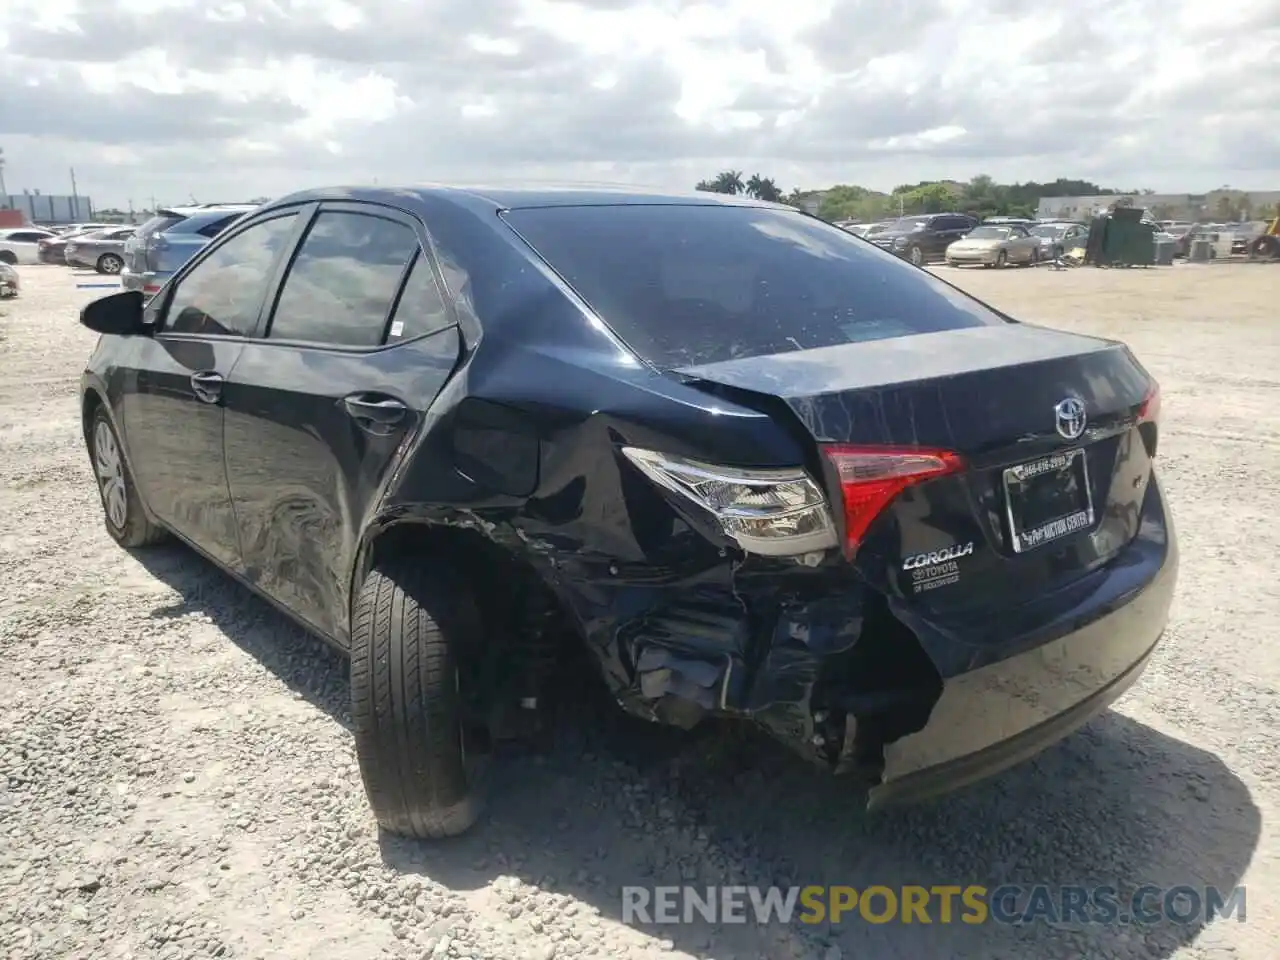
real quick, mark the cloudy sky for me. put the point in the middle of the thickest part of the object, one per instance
(226, 99)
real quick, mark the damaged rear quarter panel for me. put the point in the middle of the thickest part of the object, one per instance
(522, 446)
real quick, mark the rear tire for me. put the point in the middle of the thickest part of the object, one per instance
(407, 627)
(7, 256)
(916, 255)
(122, 511)
(110, 264)
(1264, 247)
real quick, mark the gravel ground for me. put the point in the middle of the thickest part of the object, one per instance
(177, 776)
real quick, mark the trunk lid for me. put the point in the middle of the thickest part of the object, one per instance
(994, 395)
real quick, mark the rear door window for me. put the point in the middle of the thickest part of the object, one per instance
(421, 308)
(688, 285)
(341, 286)
(217, 226)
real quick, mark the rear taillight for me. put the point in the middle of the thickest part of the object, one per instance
(872, 477)
(775, 513)
(1149, 412)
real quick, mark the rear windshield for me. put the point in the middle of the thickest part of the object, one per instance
(690, 285)
(163, 220)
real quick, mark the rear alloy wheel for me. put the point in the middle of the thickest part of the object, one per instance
(126, 521)
(915, 255)
(407, 628)
(1002, 259)
(110, 263)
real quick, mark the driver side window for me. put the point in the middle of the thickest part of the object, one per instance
(221, 296)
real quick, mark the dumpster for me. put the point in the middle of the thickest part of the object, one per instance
(1121, 238)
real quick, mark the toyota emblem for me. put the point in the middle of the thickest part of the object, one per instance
(1069, 418)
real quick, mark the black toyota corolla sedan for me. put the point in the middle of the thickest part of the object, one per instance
(756, 467)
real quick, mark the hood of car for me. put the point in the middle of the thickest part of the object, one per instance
(978, 242)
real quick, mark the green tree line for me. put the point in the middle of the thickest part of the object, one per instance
(982, 196)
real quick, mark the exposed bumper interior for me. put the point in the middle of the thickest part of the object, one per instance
(859, 683)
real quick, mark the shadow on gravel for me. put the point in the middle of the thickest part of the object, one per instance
(623, 803)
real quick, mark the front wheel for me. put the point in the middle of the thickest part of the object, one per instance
(125, 519)
(916, 255)
(407, 629)
(110, 264)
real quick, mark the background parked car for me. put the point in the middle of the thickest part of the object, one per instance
(923, 238)
(22, 245)
(1056, 238)
(170, 238)
(9, 284)
(102, 250)
(54, 249)
(869, 229)
(995, 245)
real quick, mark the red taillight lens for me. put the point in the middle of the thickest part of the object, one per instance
(872, 477)
(1149, 412)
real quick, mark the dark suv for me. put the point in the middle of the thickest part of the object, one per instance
(747, 464)
(923, 238)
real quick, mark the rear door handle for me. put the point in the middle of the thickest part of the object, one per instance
(207, 386)
(378, 415)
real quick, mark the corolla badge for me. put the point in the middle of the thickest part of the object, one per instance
(1069, 418)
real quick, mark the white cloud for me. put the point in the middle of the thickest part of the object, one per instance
(175, 98)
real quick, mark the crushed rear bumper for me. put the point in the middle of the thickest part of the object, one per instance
(998, 715)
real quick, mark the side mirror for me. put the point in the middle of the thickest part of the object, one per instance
(120, 314)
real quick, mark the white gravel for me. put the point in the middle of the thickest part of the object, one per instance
(177, 777)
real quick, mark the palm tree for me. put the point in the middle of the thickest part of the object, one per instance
(763, 188)
(728, 181)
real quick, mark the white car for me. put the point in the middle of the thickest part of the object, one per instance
(21, 244)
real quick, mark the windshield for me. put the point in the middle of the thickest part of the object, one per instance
(1051, 230)
(685, 285)
(988, 233)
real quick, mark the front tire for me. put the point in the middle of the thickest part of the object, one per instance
(110, 264)
(122, 511)
(407, 628)
(916, 255)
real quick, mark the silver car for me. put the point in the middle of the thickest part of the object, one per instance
(102, 251)
(995, 245)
